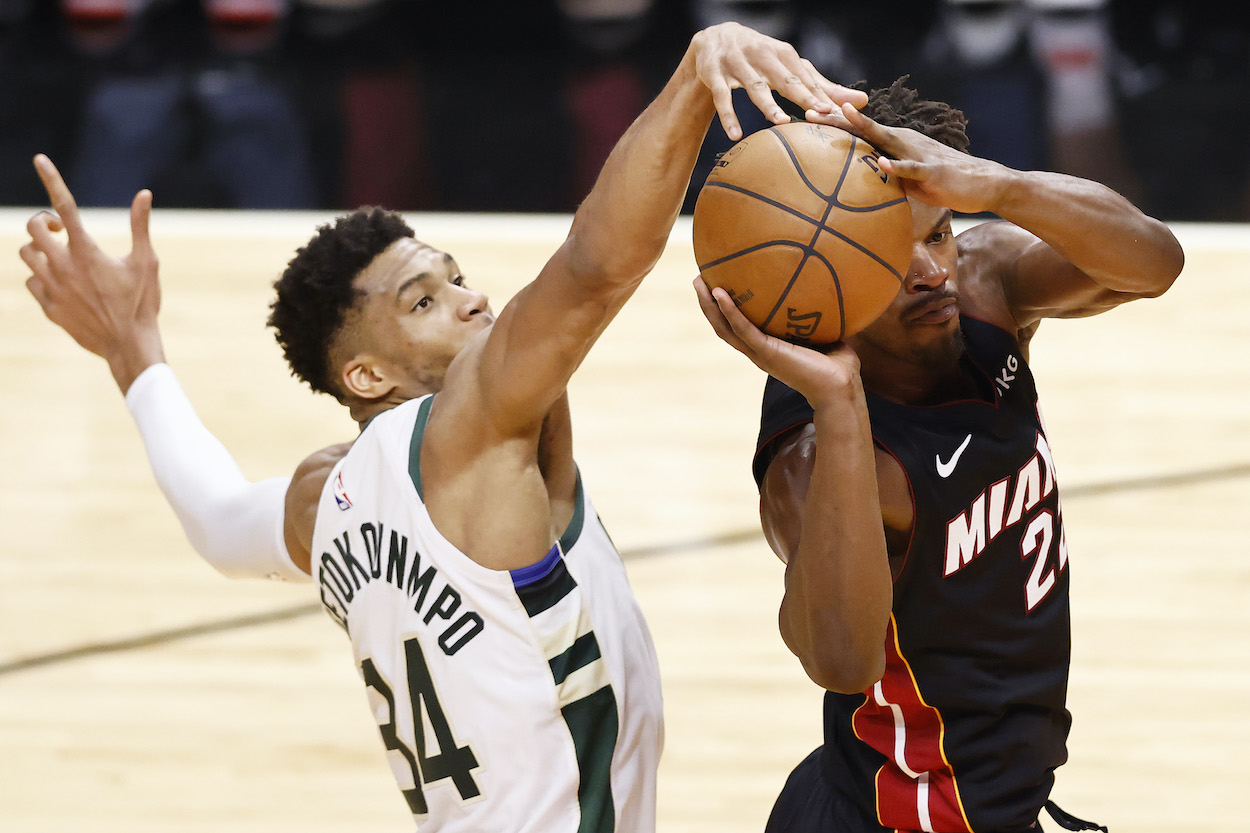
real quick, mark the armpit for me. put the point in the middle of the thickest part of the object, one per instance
(783, 491)
(898, 509)
(302, 498)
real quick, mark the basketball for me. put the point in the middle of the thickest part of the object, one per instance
(804, 231)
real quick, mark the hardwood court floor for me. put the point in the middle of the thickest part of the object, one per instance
(140, 691)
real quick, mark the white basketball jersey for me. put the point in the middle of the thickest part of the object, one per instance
(523, 700)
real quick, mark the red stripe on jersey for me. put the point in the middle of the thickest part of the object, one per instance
(916, 788)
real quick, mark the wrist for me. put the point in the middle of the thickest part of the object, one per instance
(691, 95)
(839, 400)
(127, 364)
(1011, 190)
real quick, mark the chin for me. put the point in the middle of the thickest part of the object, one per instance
(943, 348)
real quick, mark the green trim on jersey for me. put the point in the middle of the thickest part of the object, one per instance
(571, 533)
(583, 689)
(574, 530)
(581, 653)
(593, 723)
(414, 448)
(545, 593)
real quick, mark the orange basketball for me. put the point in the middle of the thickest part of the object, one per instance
(804, 231)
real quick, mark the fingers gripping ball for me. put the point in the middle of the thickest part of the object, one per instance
(804, 231)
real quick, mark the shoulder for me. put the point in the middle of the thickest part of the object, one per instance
(782, 411)
(783, 480)
(990, 256)
(302, 497)
(784, 485)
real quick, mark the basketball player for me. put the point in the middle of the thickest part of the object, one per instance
(507, 663)
(906, 480)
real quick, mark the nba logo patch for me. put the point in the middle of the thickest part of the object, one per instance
(340, 494)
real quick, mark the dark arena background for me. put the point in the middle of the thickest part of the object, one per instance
(500, 105)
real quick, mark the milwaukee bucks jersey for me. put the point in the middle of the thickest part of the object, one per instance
(965, 729)
(523, 700)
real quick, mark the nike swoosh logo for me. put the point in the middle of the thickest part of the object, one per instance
(944, 470)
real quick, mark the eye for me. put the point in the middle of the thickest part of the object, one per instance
(423, 303)
(458, 280)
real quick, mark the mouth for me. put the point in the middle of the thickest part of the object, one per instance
(935, 310)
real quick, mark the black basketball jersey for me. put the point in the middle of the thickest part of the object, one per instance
(966, 728)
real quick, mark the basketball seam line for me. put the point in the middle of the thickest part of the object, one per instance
(829, 198)
(846, 167)
(811, 244)
(795, 213)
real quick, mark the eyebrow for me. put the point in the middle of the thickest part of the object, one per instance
(418, 278)
(947, 217)
(410, 283)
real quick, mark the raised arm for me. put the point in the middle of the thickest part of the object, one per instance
(1071, 246)
(109, 306)
(621, 228)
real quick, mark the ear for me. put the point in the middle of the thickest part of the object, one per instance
(364, 377)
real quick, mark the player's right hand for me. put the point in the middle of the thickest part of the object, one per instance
(730, 56)
(832, 371)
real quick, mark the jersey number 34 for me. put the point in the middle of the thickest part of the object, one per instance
(452, 761)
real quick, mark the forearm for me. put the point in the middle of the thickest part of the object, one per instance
(234, 524)
(621, 228)
(1097, 230)
(838, 588)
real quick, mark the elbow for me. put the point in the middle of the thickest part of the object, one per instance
(206, 545)
(1167, 265)
(846, 674)
(612, 256)
(836, 661)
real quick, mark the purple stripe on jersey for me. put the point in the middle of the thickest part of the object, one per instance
(539, 570)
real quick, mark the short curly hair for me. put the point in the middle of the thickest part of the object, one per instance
(900, 106)
(317, 289)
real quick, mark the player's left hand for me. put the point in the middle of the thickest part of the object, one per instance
(108, 305)
(929, 171)
(730, 56)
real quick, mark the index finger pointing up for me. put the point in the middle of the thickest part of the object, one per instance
(61, 198)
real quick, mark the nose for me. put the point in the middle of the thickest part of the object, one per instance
(926, 272)
(473, 303)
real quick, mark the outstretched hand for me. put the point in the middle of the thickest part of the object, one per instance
(811, 372)
(730, 56)
(108, 305)
(929, 171)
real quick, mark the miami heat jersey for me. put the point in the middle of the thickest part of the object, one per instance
(524, 700)
(966, 727)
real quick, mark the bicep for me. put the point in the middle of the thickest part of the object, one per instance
(783, 495)
(1049, 286)
(1037, 281)
(541, 337)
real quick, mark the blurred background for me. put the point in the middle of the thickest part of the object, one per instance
(512, 105)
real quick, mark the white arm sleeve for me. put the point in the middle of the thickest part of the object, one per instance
(234, 524)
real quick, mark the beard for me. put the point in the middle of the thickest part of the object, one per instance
(939, 352)
(943, 353)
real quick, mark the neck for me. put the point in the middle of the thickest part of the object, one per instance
(363, 410)
(930, 376)
(917, 387)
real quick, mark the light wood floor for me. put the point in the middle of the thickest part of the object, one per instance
(140, 691)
